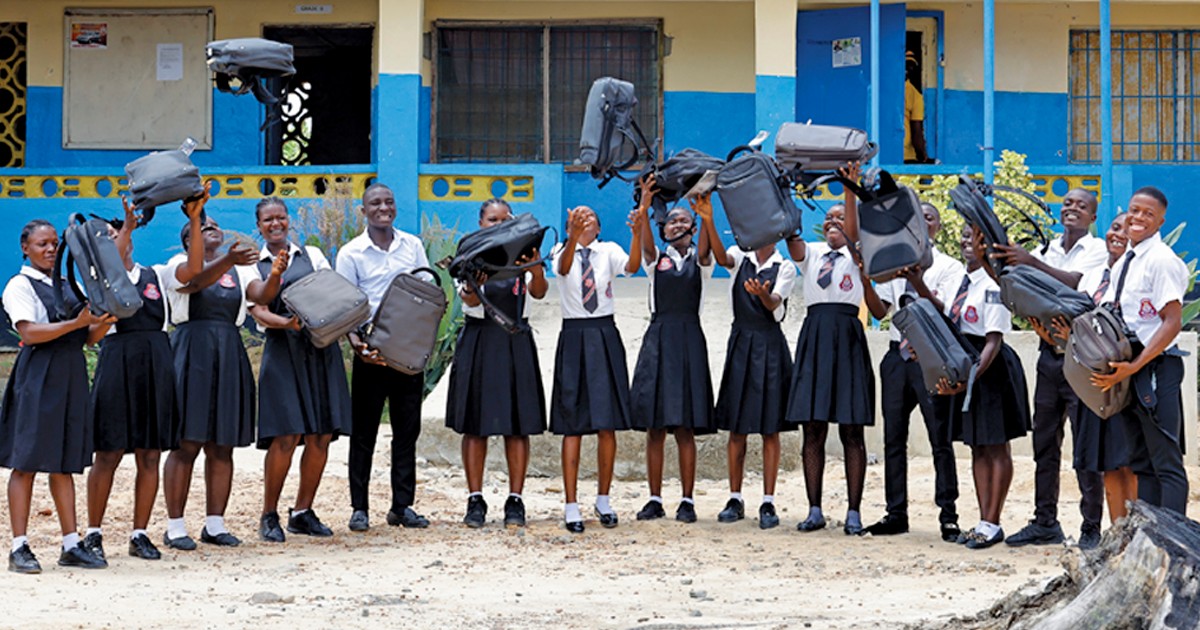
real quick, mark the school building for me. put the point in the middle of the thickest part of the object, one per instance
(454, 101)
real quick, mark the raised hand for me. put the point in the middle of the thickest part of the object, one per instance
(194, 207)
(577, 222)
(702, 206)
(761, 289)
(851, 171)
(131, 215)
(243, 254)
(636, 217)
(280, 264)
(647, 187)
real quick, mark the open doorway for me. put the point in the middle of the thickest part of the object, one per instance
(921, 43)
(326, 109)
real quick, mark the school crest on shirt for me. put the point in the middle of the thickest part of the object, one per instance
(1146, 309)
(846, 284)
(665, 264)
(151, 291)
(227, 281)
(971, 315)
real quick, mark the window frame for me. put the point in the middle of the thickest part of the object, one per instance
(545, 25)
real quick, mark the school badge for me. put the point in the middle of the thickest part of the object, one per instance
(1146, 309)
(151, 292)
(227, 281)
(846, 284)
(971, 315)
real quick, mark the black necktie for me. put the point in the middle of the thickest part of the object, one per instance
(826, 274)
(588, 278)
(1099, 294)
(960, 298)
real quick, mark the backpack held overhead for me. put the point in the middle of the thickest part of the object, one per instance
(404, 329)
(606, 141)
(250, 59)
(161, 178)
(494, 252)
(88, 247)
(801, 147)
(941, 349)
(969, 199)
(675, 177)
(327, 304)
(757, 199)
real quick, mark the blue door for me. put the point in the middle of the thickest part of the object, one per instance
(832, 89)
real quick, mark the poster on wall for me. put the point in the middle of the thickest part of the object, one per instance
(847, 52)
(89, 35)
(170, 62)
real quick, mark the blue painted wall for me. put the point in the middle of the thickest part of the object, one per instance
(713, 122)
(1032, 123)
(397, 131)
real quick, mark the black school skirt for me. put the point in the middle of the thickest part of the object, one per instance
(133, 397)
(591, 380)
(495, 382)
(1100, 444)
(672, 387)
(302, 389)
(754, 385)
(999, 409)
(832, 380)
(45, 420)
(213, 383)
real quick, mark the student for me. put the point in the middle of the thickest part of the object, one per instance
(1066, 258)
(371, 260)
(1151, 280)
(214, 385)
(832, 381)
(758, 365)
(998, 409)
(134, 409)
(303, 396)
(672, 386)
(496, 381)
(45, 423)
(591, 380)
(905, 390)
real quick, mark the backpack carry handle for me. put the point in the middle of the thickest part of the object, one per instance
(429, 270)
(739, 149)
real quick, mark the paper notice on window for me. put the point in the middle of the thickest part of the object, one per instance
(170, 62)
(847, 52)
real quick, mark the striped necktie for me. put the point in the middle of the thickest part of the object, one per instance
(1099, 294)
(826, 274)
(960, 298)
(588, 279)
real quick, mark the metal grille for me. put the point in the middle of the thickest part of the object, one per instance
(517, 93)
(1156, 114)
(297, 124)
(12, 94)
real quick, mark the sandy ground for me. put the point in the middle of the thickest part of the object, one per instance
(659, 574)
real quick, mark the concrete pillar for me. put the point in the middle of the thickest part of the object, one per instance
(774, 64)
(397, 127)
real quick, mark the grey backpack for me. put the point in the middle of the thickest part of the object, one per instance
(161, 178)
(757, 199)
(327, 304)
(806, 147)
(606, 141)
(87, 245)
(892, 231)
(405, 327)
(1098, 338)
(1031, 292)
(941, 349)
(249, 60)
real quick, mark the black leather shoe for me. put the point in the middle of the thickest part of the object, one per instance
(651, 511)
(359, 521)
(686, 513)
(950, 532)
(308, 524)
(1035, 534)
(408, 518)
(476, 512)
(575, 527)
(141, 547)
(979, 541)
(183, 543)
(23, 561)
(77, 556)
(224, 539)
(1089, 536)
(269, 529)
(94, 544)
(734, 511)
(963, 537)
(811, 524)
(889, 525)
(609, 520)
(766, 515)
(514, 512)
(853, 529)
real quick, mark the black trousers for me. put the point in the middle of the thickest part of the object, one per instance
(1156, 456)
(903, 391)
(1053, 402)
(370, 386)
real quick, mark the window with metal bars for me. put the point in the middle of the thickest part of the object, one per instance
(515, 92)
(1156, 112)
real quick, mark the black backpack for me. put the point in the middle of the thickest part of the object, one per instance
(757, 199)
(969, 199)
(608, 128)
(674, 177)
(86, 245)
(251, 59)
(494, 251)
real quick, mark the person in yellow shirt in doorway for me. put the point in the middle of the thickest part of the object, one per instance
(914, 114)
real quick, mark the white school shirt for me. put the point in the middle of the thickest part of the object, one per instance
(372, 269)
(316, 258)
(983, 311)
(1157, 277)
(608, 261)
(676, 261)
(1088, 252)
(785, 279)
(942, 277)
(845, 285)
(1091, 279)
(478, 311)
(21, 302)
(178, 303)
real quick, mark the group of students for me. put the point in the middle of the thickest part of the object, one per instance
(193, 390)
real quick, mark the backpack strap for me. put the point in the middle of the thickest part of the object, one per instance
(498, 316)
(60, 304)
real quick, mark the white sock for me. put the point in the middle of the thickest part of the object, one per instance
(70, 541)
(656, 499)
(572, 514)
(294, 513)
(987, 529)
(767, 498)
(93, 530)
(138, 532)
(689, 500)
(736, 495)
(215, 524)
(19, 541)
(602, 505)
(814, 514)
(514, 495)
(475, 494)
(176, 528)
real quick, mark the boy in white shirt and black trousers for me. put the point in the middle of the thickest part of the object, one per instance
(371, 261)
(1151, 280)
(1067, 259)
